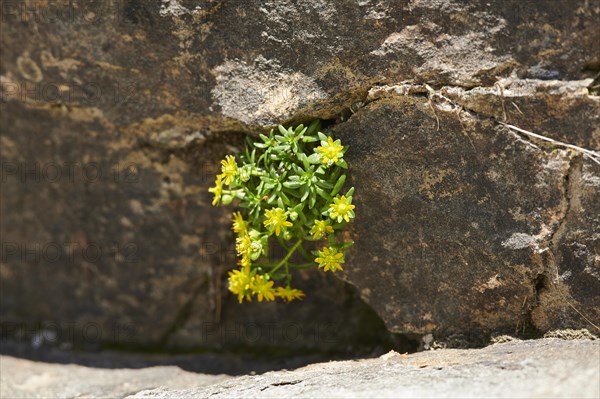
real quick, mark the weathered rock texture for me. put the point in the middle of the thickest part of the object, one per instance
(542, 369)
(26, 379)
(462, 225)
(533, 369)
(483, 230)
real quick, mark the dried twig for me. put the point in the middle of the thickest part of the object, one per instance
(593, 155)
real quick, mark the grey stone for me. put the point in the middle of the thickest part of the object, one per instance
(548, 368)
(536, 369)
(27, 379)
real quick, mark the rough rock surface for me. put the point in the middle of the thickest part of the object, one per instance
(484, 230)
(27, 379)
(547, 368)
(542, 369)
(151, 95)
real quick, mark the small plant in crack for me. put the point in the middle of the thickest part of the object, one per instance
(289, 185)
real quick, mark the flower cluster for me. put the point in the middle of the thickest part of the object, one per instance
(289, 184)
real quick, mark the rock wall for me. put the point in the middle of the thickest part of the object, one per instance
(484, 230)
(114, 117)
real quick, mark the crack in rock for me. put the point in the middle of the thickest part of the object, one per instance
(570, 200)
(468, 102)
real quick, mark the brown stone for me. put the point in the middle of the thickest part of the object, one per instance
(452, 223)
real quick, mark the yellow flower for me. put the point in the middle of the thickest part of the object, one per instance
(263, 288)
(250, 246)
(288, 294)
(331, 151)
(277, 220)
(217, 190)
(330, 259)
(239, 224)
(229, 168)
(245, 262)
(243, 246)
(240, 282)
(320, 228)
(341, 209)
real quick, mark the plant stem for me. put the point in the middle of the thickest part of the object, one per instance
(288, 275)
(289, 254)
(282, 243)
(303, 265)
(305, 254)
(263, 264)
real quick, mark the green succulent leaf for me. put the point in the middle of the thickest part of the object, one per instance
(282, 130)
(338, 185)
(292, 184)
(314, 159)
(288, 185)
